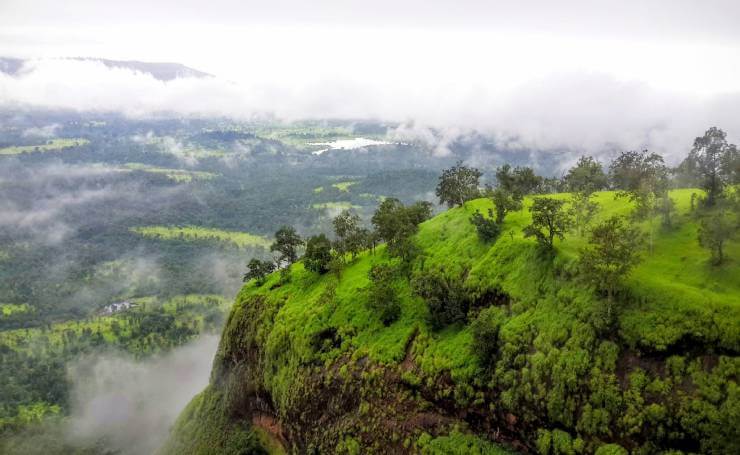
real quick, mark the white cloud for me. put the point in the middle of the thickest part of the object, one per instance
(531, 90)
(132, 403)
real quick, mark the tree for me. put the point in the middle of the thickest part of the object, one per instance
(582, 210)
(586, 176)
(518, 181)
(258, 270)
(713, 162)
(458, 185)
(549, 220)
(640, 176)
(396, 224)
(487, 228)
(382, 297)
(714, 231)
(318, 254)
(613, 250)
(504, 201)
(351, 238)
(287, 241)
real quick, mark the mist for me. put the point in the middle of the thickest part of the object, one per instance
(585, 111)
(131, 404)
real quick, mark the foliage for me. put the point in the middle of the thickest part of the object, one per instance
(445, 295)
(258, 270)
(458, 184)
(549, 220)
(485, 329)
(518, 181)
(504, 201)
(351, 237)
(582, 211)
(487, 228)
(382, 296)
(714, 231)
(613, 251)
(396, 223)
(34, 361)
(641, 177)
(566, 385)
(286, 244)
(586, 176)
(713, 163)
(318, 254)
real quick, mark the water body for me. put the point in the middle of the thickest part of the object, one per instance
(347, 144)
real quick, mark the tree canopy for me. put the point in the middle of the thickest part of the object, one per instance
(549, 220)
(286, 244)
(586, 176)
(713, 163)
(458, 184)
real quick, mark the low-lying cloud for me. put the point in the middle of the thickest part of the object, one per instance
(581, 111)
(132, 404)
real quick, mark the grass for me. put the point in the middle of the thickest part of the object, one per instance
(8, 309)
(550, 358)
(176, 175)
(343, 186)
(52, 145)
(199, 233)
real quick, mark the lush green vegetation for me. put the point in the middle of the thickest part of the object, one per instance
(343, 186)
(52, 145)
(239, 239)
(177, 175)
(33, 361)
(532, 355)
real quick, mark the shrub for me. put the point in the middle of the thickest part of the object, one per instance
(485, 329)
(382, 297)
(487, 228)
(446, 296)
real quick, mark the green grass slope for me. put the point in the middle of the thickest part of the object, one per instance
(314, 360)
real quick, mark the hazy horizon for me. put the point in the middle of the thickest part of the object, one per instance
(575, 76)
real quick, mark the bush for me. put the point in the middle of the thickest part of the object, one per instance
(446, 296)
(485, 329)
(487, 228)
(382, 297)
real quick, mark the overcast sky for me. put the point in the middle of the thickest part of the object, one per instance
(630, 73)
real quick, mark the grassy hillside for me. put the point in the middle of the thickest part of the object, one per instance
(311, 364)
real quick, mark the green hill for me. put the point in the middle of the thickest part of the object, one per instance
(307, 367)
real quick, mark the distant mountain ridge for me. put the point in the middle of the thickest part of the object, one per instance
(163, 71)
